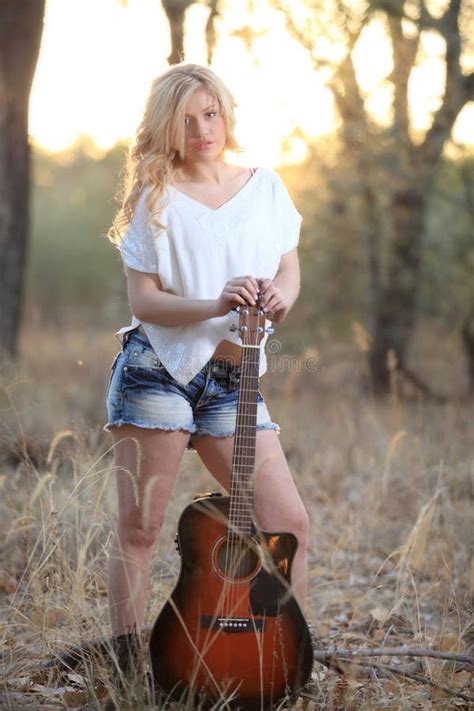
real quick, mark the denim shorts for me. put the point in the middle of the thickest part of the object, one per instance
(141, 392)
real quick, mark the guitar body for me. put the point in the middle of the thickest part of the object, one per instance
(231, 632)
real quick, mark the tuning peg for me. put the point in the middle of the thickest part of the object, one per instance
(235, 310)
(233, 327)
(260, 329)
(269, 329)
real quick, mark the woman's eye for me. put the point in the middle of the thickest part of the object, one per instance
(209, 114)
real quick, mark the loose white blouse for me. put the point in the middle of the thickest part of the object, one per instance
(198, 250)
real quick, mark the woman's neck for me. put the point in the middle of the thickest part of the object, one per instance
(213, 172)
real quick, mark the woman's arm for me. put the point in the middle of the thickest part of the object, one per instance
(149, 303)
(280, 294)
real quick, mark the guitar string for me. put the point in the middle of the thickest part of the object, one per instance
(236, 481)
(243, 427)
(240, 512)
(250, 427)
(232, 522)
(233, 487)
(242, 498)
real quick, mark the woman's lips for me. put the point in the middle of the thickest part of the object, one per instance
(203, 146)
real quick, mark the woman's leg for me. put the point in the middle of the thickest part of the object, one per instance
(277, 503)
(146, 464)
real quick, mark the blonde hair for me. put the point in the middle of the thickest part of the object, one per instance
(154, 158)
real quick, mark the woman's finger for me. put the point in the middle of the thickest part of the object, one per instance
(248, 281)
(235, 298)
(265, 284)
(245, 293)
(274, 304)
(269, 294)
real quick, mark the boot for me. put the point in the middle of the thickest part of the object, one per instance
(128, 671)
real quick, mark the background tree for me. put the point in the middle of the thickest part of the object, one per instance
(395, 173)
(176, 13)
(21, 26)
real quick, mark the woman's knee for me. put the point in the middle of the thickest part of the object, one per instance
(291, 517)
(135, 535)
(300, 526)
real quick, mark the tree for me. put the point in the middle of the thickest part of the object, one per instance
(21, 26)
(175, 12)
(394, 255)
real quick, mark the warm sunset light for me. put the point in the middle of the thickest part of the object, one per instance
(97, 61)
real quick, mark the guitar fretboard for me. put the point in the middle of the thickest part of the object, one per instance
(243, 459)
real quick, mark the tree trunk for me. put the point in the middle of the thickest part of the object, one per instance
(467, 335)
(395, 312)
(211, 35)
(175, 11)
(409, 177)
(21, 26)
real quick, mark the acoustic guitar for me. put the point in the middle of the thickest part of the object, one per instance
(232, 634)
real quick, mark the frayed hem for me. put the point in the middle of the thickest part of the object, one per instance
(260, 428)
(146, 426)
(203, 433)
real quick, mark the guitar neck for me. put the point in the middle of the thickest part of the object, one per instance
(243, 459)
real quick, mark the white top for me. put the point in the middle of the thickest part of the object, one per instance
(199, 251)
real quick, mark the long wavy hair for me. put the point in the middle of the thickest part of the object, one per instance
(155, 157)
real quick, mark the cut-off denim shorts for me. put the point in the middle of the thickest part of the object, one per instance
(141, 392)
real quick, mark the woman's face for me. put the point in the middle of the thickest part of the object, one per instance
(204, 128)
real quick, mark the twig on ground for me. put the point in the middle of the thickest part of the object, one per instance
(393, 652)
(364, 667)
(388, 669)
(342, 661)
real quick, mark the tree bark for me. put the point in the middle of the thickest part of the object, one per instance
(21, 26)
(392, 299)
(175, 12)
(395, 311)
(467, 335)
(211, 35)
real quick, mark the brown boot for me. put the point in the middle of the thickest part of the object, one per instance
(128, 672)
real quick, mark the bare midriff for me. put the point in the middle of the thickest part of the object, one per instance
(225, 350)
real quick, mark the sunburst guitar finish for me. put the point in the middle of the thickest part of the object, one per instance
(232, 634)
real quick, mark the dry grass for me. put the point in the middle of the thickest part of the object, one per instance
(389, 487)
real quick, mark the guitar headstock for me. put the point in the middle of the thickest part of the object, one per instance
(251, 326)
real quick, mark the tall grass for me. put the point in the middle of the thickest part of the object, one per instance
(388, 484)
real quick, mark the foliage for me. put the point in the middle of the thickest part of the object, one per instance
(334, 240)
(74, 270)
(72, 265)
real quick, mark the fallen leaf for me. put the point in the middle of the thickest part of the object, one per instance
(19, 683)
(380, 614)
(76, 679)
(462, 679)
(73, 699)
(7, 583)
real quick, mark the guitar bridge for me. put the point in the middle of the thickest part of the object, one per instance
(232, 624)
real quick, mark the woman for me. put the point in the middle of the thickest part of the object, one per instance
(202, 236)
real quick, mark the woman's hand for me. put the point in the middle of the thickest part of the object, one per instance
(240, 291)
(273, 301)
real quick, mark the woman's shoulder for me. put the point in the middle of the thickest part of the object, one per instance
(268, 174)
(148, 205)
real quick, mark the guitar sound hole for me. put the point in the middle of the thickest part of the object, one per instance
(236, 559)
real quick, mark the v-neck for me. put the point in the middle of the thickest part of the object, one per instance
(224, 204)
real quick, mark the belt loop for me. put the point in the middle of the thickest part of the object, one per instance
(127, 336)
(233, 379)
